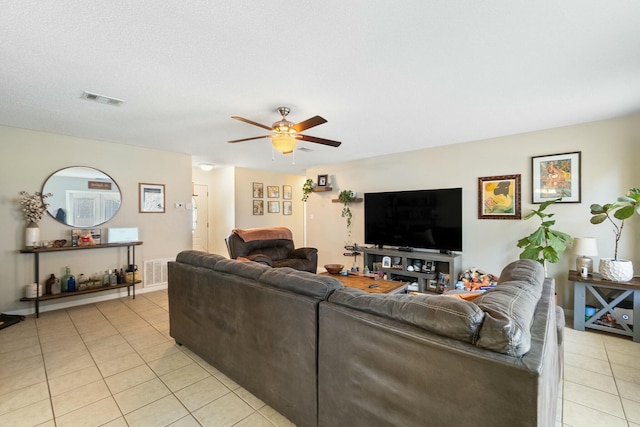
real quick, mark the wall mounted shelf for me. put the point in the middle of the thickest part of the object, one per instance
(322, 189)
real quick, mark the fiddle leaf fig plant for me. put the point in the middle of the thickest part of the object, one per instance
(544, 244)
(621, 210)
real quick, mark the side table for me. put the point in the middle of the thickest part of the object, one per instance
(608, 294)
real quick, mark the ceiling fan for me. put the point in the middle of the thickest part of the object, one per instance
(286, 134)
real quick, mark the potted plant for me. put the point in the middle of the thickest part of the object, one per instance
(545, 244)
(33, 208)
(346, 197)
(307, 188)
(616, 269)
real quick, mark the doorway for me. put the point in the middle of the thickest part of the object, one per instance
(200, 224)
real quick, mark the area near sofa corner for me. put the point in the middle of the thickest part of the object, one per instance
(325, 355)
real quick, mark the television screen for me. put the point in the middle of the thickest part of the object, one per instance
(421, 219)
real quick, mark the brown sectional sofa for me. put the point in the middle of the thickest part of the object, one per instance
(324, 355)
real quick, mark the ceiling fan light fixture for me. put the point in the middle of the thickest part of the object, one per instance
(283, 142)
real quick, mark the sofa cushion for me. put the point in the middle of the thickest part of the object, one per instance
(199, 258)
(449, 317)
(301, 282)
(509, 308)
(249, 270)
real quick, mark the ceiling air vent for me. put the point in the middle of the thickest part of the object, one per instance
(101, 99)
(305, 149)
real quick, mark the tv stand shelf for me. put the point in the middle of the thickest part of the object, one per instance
(448, 264)
(131, 260)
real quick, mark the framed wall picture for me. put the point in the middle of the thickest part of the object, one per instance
(258, 190)
(258, 207)
(287, 208)
(323, 180)
(556, 175)
(151, 198)
(287, 192)
(499, 197)
(273, 191)
(274, 207)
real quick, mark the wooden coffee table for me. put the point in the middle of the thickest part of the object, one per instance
(363, 282)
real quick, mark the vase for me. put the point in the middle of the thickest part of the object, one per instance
(617, 270)
(32, 235)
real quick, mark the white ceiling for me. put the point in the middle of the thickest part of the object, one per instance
(388, 76)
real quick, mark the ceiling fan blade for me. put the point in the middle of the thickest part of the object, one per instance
(320, 140)
(309, 123)
(251, 122)
(249, 139)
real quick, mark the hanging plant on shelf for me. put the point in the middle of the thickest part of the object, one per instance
(307, 188)
(346, 197)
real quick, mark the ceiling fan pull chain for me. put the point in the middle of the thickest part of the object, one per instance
(293, 153)
(273, 157)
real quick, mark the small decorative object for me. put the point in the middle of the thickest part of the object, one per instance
(287, 207)
(585, 247)
(258, 207)
(49, 284)
(273, 207)
(323, 180)
(619, 270)
(499, 197)
(258, 190)
(386, 262)
(151, 198)
(32, 290)
(273, 191)
(346, 197)
(86, 239)
(307, 188)
(334, 268)
(556, 176)
(33, 207)
(286, 192)
(544, 244)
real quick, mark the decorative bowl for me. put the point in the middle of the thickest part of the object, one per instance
(334, 268)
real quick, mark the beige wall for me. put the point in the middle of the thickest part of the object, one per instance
(610, 150)
(29, 157)
(231, 203)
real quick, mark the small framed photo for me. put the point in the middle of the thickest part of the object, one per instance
(258, 190)
(556, 175)
(258, 207)
(151, 198)
(287, 192)
(323, 180)
(273, 191)
(287, 208)
(386, 262)
(499, 197)
(274, 207)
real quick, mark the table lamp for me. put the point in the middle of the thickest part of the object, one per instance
(585, 247)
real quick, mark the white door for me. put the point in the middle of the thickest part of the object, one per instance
(200, 217)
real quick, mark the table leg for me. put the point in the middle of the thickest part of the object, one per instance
(579, 304)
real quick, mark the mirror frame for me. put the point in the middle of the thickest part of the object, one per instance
(98, 172)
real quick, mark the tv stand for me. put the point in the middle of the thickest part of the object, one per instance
(430, 265)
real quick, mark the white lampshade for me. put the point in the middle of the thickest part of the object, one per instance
(585, 247)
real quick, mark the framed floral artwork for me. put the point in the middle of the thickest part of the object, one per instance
(258, 207)
(273, 191)
(287, 208)
(273, 207)
(287, 192)
(499, 197)
(258, 190)
(555, 176)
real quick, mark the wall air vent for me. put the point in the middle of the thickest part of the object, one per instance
(101, 99)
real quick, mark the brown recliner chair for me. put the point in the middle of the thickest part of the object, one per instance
(272, 246)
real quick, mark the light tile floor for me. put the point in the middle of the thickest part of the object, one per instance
(114, 364)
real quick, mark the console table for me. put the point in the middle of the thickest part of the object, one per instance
(608, 295)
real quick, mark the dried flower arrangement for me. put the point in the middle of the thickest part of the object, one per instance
(34, 205)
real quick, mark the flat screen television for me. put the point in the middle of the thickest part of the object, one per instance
(417, 219)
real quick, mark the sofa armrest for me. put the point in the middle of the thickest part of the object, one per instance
(304, 253)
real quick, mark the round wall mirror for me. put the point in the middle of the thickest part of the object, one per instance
(82, 196)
